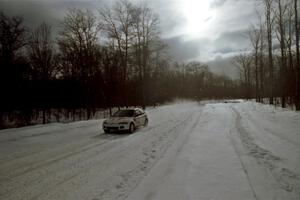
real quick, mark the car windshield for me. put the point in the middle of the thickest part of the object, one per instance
(124, 113)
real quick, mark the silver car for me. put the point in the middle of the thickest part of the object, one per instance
(125, 120)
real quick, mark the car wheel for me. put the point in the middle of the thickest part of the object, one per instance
(146, 122)
(106, 131)
(131, 128)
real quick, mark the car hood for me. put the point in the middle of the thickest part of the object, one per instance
(114, 120)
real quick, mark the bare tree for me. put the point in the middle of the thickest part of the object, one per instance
(12, 39)
(41, 52)
(269, 24)
(280, 15)
(297, 29)
(255, 37)
(243, 64)
(145, 23)
(291, 73)
(78, 43)
(262, 60)
(80, 51)
(117, 23)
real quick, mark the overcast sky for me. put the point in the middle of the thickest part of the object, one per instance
(205, 30)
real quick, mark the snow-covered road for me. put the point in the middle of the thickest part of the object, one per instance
(226, 151)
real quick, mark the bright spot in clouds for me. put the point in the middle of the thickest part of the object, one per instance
(198, 14)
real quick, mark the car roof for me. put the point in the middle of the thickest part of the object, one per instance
(132, 109)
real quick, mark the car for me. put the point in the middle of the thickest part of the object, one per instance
(126, 120)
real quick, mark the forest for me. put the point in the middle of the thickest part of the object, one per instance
(271, 68)
(117, 57)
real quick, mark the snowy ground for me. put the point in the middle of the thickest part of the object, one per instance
(226, 151)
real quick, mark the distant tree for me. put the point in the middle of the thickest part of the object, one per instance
(280, 17)
(78, 43)
(289, 40)
(133, 33)
(80, 52)
(117, 23)
(111, 77)
(41, 52)
(12, 39)
(297, 29)
(13, 66)
(243, 64)
(41, 56)
(146, 42)
(269, 24)
(262, 59)
(255, 38)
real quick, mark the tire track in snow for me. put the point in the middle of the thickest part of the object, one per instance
(151, 155)
(285, 178)
(50, 168)
(19, 166)
(11, 138)
(242, 164)
(49, 176)
(60, 129)
(280, 136)
(179, 139)
(29, 167)
(174, 148)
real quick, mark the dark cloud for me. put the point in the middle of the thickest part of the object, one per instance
(182, 50)
(231, 41)
(51, 12)
(223, 66)
(225, 50)
(33, 12)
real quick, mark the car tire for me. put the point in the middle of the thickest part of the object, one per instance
(131, 128)
(146, 122)
(106, 131)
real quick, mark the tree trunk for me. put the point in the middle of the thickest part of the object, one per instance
(283, 55)
(44, 116)
(297, 102)
(257, 93)
(270, 53)
(261, 65)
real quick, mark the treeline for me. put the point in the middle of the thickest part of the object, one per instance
(272, 70)
(110, 59)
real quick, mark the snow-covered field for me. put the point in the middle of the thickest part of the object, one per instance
(220, 151)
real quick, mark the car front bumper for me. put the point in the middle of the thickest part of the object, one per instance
(115, 127)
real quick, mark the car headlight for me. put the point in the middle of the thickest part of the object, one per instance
(123, 123)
